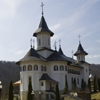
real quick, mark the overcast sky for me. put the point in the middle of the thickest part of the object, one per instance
(19, 19)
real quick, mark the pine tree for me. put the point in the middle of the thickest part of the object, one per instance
(29, 95)
(66, 88)
(83, 84)
(10, 95)
(99, 84)
(57, 93)
(95, 84)
(74, 83)
(89, 85)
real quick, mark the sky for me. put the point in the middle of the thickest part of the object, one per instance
(19, 19)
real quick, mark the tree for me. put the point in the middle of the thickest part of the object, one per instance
(89, 84)
(74, 83)
(66, 88)
(57, 93)
(29, 95)
(99, 84)
(83, 84)
(95, 84)
(10, 95)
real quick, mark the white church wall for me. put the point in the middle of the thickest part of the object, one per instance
(44, 40)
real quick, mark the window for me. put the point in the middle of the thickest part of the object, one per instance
(29, 67)
(62, 68)
(35, 67)
(55, 68)
(65, 68)
(48, 41)
(45, 68)
(72, 80)
(77, 80)
(42, 68)
(24, 68)
(41, 83)
(39, 42)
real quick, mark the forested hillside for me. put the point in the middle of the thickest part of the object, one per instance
(8, 71)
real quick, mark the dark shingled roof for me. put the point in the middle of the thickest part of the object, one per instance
(31, 55)
(80, 50)
(43, 27)
(46, 77)
(56, 56)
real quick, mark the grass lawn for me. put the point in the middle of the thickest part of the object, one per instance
(95, 96)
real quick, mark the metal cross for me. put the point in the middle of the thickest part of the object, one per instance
(31, 42)
(59, 43)
(79, 38)
(55, 45)
(72, 53)
(42, 7)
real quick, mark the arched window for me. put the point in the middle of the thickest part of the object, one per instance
(35, 67)
(42, 68)
(61, 67)
(29, 67)
(39, 42)
(45, 68)
(24, 68)
(55, 68)
(65, 68)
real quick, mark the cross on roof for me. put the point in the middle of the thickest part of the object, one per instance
(72, 53)
(79, 38)
(55, 45)
(42, 7)
(59, 43)
(31, 43)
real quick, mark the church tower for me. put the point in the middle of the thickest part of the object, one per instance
(43, 34)
(80, 53)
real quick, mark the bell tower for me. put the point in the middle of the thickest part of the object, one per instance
(43, 34)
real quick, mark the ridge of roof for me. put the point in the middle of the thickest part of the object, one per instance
(43, 27)
(31, 55)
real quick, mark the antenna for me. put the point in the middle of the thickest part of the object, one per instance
(42, 7)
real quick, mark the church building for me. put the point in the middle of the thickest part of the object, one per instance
(46, 67)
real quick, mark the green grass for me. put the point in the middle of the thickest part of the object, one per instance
(95, 96)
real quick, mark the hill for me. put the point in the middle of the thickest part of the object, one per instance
(8, 71)
(95, 70)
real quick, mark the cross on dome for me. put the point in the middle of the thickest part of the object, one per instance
(42, 7)
(31, 42)
(79, 38)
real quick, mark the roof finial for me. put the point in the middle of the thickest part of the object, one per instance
(42, 7)
(59, 43)
(79, 38)
(72, 53)
(55, 45)
(31, 42)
